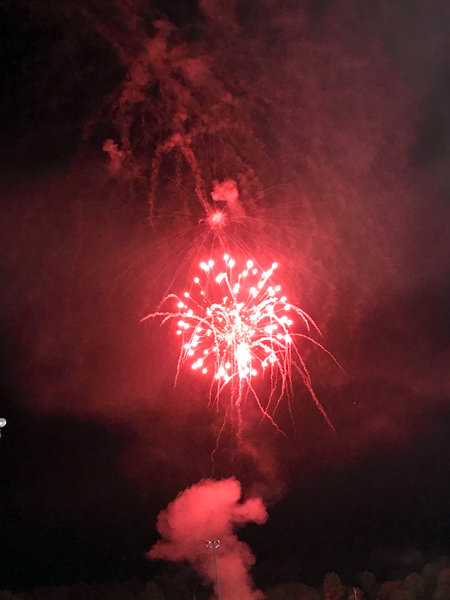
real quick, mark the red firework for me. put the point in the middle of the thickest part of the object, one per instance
(236, 326)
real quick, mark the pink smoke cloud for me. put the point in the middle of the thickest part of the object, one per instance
(211, 510)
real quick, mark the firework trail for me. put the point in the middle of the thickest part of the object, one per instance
(236, 327)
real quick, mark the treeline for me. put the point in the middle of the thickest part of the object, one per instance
(179, 583)
(430, 583)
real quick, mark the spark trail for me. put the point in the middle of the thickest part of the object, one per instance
(235, 327)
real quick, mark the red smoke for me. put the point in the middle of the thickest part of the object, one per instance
(210, 510)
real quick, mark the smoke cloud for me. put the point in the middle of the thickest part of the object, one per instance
(208, 511)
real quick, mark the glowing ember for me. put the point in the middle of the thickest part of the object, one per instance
(217, 219)
(235, 327)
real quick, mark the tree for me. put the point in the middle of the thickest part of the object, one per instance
(443, 585)
(292, 591)
(369, 584)
(152, 591)
(414, 586)
(333, 588)
(430, 574)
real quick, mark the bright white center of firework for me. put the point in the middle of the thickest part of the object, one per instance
(243, 358)
(217, 217)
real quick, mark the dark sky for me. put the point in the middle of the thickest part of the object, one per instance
(98, 441)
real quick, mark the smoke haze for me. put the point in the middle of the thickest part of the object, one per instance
(208, 511)
(351, 148)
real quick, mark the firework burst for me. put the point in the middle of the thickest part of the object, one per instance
(236, 326)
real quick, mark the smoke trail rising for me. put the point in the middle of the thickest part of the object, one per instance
(211, 510)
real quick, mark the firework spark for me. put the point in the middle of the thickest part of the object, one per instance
(236, 326)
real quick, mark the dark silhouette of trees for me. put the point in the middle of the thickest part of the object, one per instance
(178, 582)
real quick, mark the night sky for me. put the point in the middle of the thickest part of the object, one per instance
(98, 441)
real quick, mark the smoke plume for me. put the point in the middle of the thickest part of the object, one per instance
(206, 512)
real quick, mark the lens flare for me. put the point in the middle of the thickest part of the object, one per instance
(237, 327)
